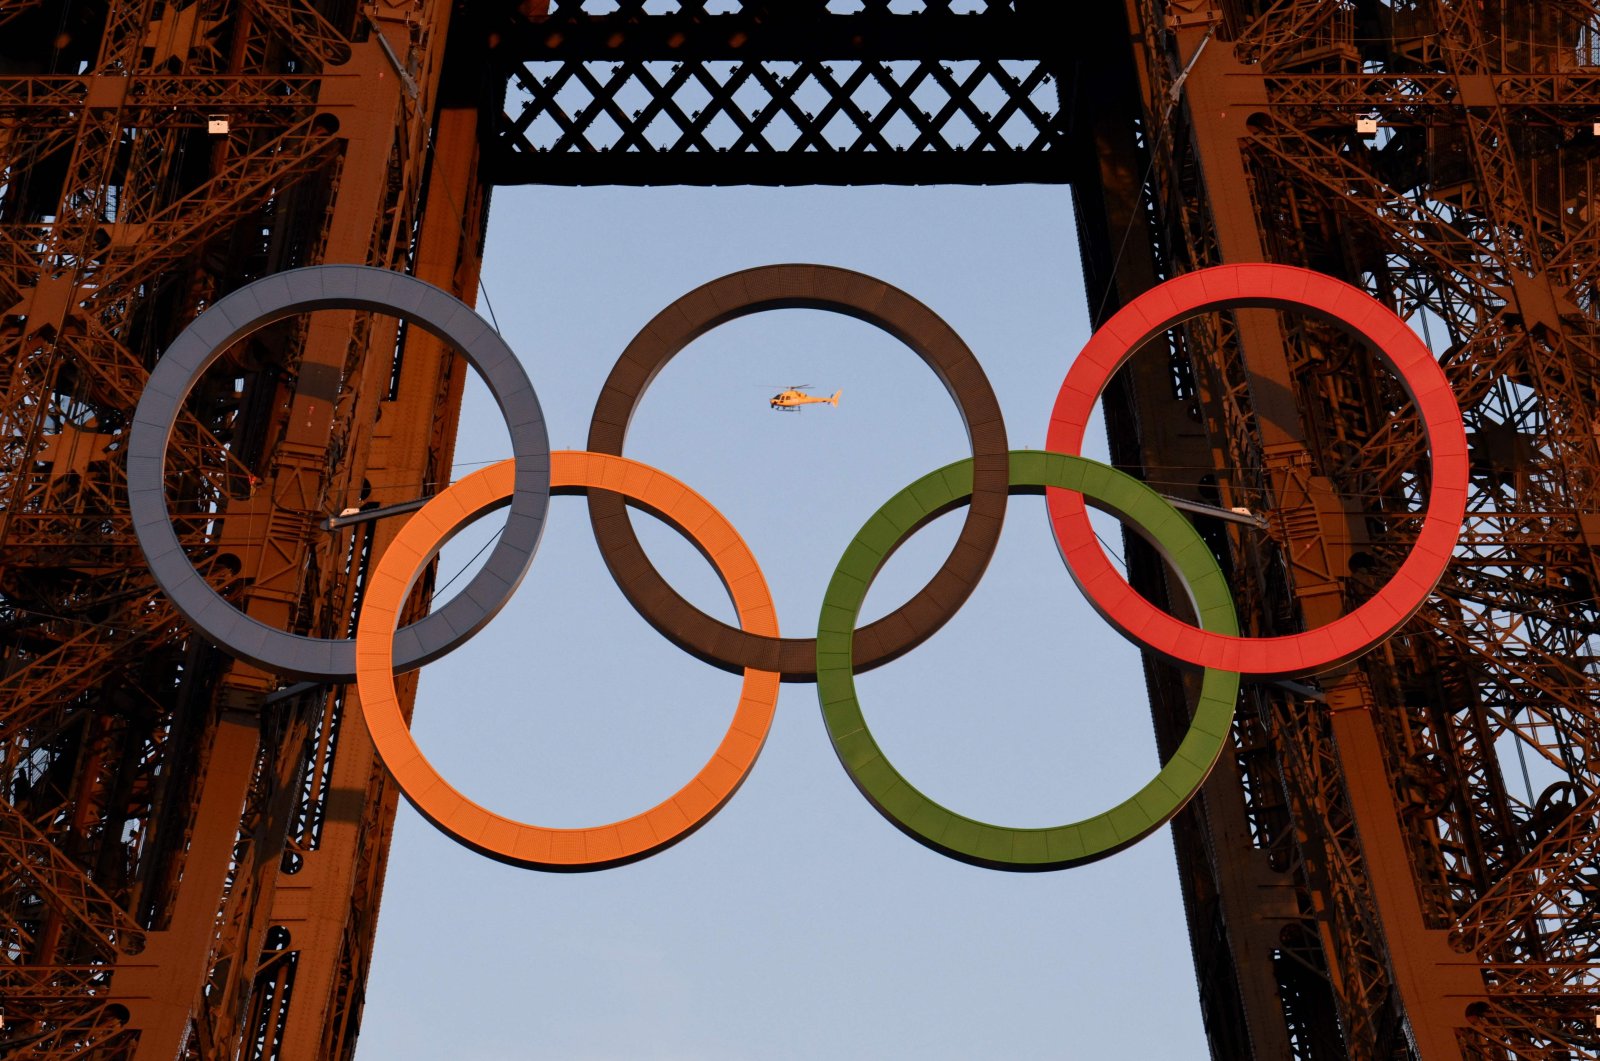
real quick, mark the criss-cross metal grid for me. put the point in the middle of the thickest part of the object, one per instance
(635, 97)
(636, 8)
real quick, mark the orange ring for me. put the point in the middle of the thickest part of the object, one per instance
(534, 846)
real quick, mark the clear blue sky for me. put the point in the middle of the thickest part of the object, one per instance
(797, 923)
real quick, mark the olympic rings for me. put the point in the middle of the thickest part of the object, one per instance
(995, 846)
(535, 846)
(810, 287)
(272, 299)
(1277, 287)
(839, 650)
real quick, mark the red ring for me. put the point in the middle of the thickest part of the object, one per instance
(1274, 287)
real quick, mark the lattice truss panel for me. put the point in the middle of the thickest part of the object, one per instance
(168, 846)
(135, 770)
(650, 93)
(1471, 211)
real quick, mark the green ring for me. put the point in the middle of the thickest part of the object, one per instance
(996, 846)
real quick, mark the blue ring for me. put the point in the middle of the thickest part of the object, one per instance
(272, 299)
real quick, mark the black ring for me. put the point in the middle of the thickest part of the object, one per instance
(804, 287)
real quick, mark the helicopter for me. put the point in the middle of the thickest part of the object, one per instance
(793, 398)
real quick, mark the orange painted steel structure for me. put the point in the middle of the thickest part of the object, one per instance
(1375, 872)
(1370, 873)
(191, 870)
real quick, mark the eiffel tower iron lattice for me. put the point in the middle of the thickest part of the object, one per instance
(173, 882)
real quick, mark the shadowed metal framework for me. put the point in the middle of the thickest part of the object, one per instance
(939, 92)
(1397, 861)
(190, 856)
(1402, 860)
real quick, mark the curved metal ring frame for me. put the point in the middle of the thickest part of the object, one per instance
(999, 846)
(839, 650)
(1275, 287)
(521, 843)
(274, 298)
(808, 287)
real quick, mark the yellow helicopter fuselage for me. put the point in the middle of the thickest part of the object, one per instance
(794, 399)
